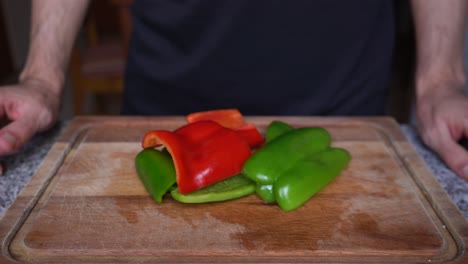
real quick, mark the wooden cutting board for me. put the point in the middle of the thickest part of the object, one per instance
(85, 203)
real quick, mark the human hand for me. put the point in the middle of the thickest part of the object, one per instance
(30, 107)
(442, 122)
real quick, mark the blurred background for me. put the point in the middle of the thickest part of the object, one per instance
(95, 76)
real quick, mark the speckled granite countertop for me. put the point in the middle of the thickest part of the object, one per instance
(20, 167)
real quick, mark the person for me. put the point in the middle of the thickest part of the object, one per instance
(263, 57)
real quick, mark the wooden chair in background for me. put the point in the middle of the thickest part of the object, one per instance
(98, 60)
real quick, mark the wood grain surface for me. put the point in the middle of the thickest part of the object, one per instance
(85, 203)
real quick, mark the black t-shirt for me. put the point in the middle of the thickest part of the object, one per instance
(264, 57)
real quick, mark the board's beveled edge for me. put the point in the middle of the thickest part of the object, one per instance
(453, 220)
(24, 203)
(443, 206)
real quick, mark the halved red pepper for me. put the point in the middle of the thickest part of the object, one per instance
(250, 134)
(230, 118)
(203, 152)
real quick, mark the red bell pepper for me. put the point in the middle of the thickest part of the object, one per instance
(250, 134)
(203, 152)
(230, 118)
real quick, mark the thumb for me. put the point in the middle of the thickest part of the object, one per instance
(14, 135)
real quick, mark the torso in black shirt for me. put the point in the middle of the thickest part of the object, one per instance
(264, 57)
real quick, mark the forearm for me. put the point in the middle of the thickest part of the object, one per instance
(439, 42)
(54, 26)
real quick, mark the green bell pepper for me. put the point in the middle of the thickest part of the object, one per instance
(281, 154)
(265, 192)
(294, 164)
(156, 171)
(276, 129)
(297, 185)
(227, 189)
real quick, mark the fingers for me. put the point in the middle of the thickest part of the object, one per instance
(454, 155)
(14, 135)
(8, 142)
(30, 110)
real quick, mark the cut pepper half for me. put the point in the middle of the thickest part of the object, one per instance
(250, 134)
(156, 171)
(203, 152)
(233, 119)
(230, 118)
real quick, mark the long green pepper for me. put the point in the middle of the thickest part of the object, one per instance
(281, 154)
(276, 129)
(308, 177)
(294, 165)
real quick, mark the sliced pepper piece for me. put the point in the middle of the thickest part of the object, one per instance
(265, 192)
(228, 189)
(280, 155)
(230, 118)
(297, 185)
(250, 134)
(156, 171)
(203, 152)
(233, 119)
(277, 128)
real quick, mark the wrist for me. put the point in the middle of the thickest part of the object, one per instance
(439, 81)
(53, 83)
(45, 96)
